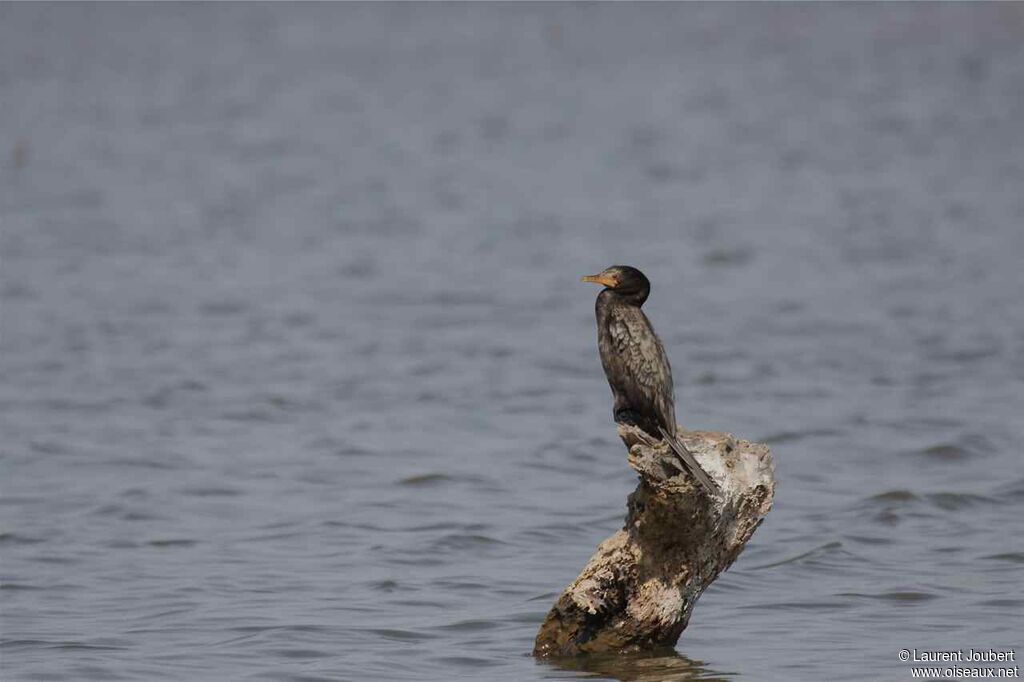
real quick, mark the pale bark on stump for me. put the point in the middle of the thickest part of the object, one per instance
(639, 588)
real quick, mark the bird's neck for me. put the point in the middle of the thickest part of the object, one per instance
(610, 297)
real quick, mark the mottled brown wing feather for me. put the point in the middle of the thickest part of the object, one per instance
(648, 376)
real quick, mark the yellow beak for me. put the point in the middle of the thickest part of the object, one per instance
(601, 278)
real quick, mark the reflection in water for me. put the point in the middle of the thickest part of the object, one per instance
(660, 665)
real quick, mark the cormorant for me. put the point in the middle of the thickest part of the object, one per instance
(635, 362)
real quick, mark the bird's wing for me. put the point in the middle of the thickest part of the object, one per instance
(648, 375)
(649, 385)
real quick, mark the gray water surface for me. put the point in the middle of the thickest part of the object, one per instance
(297, 381)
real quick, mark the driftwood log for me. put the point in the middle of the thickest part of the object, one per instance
(638, 590)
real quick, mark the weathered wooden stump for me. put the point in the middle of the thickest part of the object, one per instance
(638, 590)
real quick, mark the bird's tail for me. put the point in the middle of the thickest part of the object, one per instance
(689, 462)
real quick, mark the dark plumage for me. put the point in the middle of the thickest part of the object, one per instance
(635, 363)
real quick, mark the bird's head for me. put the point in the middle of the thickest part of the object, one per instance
(626, 281)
